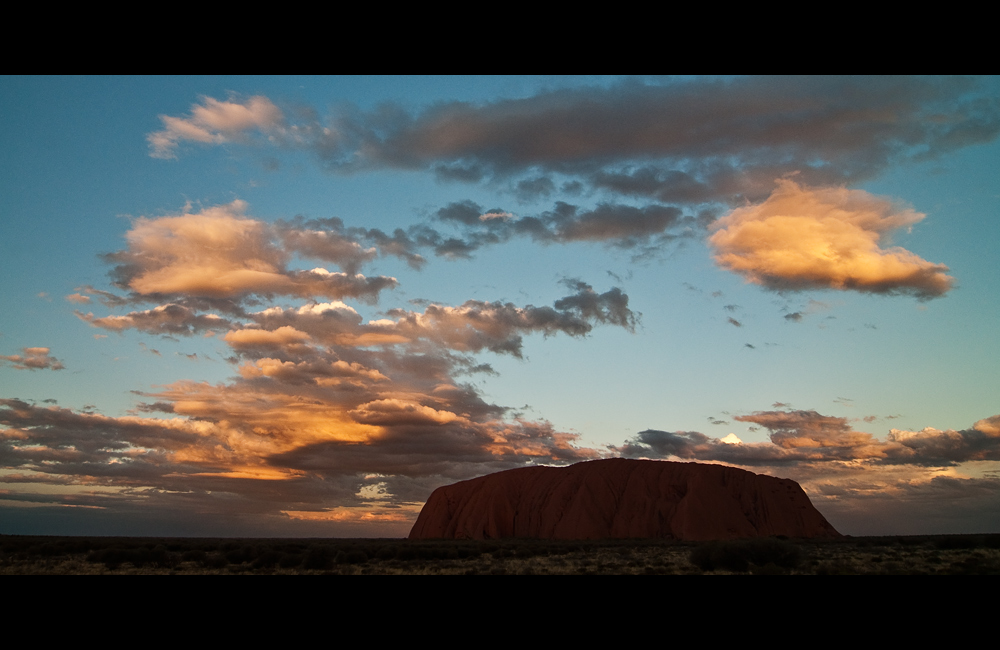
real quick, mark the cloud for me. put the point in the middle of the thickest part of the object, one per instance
(618, 225)
(321, 372)
(795, 430)
(679, 141)
(909, 483)
(169, 319)
(258, 339)
(107, 298)
(327, 244)
(825, 238)
(220, 254)
(807, 437)
(322, 400)
(695, 446)
(932, 446)
(902, 505)
(473, 326)
(684, 147)
(214, 122)
(389, 412)
(33, 359)
(332, 241)
(286, 434)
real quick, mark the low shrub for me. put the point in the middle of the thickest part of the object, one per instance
(739, 555)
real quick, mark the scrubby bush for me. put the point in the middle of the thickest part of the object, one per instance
(114, 557)
(266, 560)
(290, 560)
(319, 558)
(739, 555)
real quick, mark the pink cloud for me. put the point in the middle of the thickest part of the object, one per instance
(219, 253)
(214, 122)
(33, 359)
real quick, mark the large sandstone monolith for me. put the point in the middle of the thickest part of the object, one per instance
(618, 498)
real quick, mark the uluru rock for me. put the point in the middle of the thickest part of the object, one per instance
(621, 498)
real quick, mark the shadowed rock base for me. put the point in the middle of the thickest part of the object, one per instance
(620, 498)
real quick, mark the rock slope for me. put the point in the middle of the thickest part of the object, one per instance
(620, 498)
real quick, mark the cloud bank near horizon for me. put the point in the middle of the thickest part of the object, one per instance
(324, 407)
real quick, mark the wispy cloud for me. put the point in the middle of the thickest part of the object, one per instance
(214, 122)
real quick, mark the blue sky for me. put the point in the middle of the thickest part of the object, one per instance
(514, 271)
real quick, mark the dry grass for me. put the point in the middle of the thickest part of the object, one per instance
(934, 555)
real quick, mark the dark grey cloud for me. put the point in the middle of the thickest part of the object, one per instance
(695, 446)
(681, 141)
(618, 225)
(331, 240)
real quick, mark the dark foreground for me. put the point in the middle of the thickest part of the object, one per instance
(932, 554)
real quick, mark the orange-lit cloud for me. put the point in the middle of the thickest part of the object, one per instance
(360, 515)
(825, 238)
(256, 338)
(218, 253)
(394, 411)
(321, 397)
(33, 359)
(989, 426)
(214, 122)
(323, 401)
(320, 372)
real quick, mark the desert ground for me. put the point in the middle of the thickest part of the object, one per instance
(930, 555)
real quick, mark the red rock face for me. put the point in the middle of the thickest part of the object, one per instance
(618, 498)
